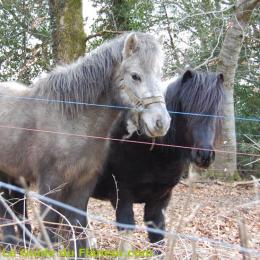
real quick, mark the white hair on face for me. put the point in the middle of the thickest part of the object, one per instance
(131, 128)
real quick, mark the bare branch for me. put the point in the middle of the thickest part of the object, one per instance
(102, 33)
(210, 58)
(15, 218)
(243, 238)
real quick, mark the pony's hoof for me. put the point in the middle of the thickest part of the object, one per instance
(10, 242)
(158, 247)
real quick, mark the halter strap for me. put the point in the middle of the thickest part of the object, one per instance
(142, 102)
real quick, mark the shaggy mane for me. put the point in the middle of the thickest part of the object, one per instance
(201, 94)
(90, 76)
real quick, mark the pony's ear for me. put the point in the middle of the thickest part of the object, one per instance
(187, 75)
(221, 77)
(130, 45)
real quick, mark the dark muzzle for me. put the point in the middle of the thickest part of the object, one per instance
(203, 158)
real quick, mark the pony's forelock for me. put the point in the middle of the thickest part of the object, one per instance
(201, 94)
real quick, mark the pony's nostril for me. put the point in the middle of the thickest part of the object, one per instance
(159, 124)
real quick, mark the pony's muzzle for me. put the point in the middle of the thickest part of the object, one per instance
(155, 120)
(203, 158)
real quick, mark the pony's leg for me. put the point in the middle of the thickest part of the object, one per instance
(124, 208)
(20, 208)
(78, 197)
(9, 235)
(124, 215)
(154, 216)
(78, 200)
(75, 194)
(50, 214)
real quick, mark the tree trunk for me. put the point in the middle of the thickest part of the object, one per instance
(68, 35)
(228, 61)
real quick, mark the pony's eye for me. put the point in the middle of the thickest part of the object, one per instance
(135, 76)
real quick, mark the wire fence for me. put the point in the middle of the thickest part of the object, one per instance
(124, 140)
(176, 235)
(253, 119)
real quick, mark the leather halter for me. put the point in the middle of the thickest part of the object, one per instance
(142, 103)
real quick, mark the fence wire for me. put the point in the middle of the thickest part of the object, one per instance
(175, 235)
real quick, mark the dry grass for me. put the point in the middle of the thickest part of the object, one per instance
(213, 213)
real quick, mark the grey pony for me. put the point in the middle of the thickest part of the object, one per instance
(46, 142)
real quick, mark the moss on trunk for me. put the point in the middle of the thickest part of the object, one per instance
(228, 62)
(67, 30)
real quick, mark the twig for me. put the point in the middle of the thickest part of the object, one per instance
(194, 253)
(257, 187)
(124, 245)
(24, 219)
(15, 218)
(213, 242)
(24, 214)
(255, 143)
(203, 13)
(55, 189)
(37, 216)
(71, 227)
(257, 160)
(243, 238)
(168, 26)
(211, 58)
(181, 221)
(221, 183)
(117, 198)
(246, 182)
(98, 34)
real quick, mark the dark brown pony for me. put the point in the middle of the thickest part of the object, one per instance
(148, 176)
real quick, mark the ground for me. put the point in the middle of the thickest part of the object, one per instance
(213, 214)
(207, 216)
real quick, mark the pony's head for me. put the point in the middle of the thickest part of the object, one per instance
(138, 80)
(198, 97)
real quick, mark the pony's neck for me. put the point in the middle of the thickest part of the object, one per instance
(172, 104)
(177, 134)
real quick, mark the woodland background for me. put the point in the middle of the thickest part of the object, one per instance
(214, 35)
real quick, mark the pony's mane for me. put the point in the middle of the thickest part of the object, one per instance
(86, 79)
(201, 94)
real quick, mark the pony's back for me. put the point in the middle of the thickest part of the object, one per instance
(13, 88)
